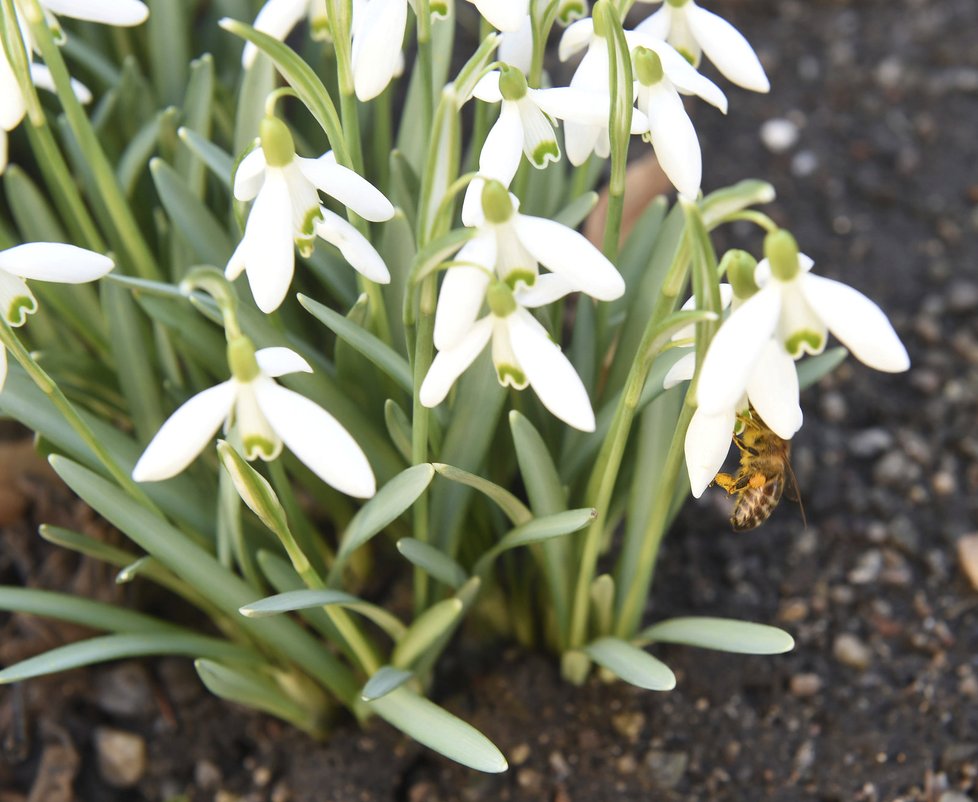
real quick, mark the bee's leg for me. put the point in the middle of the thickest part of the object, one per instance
(727, 482)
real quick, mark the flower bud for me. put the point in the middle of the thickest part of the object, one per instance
(241, 359)
(500, 299)
(781, 251)
(648, 66)
(512, 83)
(496, 205)
(276, 142)
(739, 268)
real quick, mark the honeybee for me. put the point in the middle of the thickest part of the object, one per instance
(763, 476)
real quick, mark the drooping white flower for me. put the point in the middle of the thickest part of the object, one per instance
(503, 15)
(41, 261)
(516, 47)
(378, 31)
(693, 30)
(267, 416)
(287, 212)
(277, 18)
(795, 310)
(662, 73)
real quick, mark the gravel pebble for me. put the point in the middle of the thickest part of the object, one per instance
(805, 685)
(124, 690)
(779, 134)
(121, 756)
(851, 651)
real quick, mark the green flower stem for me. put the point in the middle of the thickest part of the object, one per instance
(636, 570)
(130, 237)
(382, 138)
(752, 216)
(541, 33)
(426, 61)
(46, 385)
(305, 532)
(619, 127)
(602, 481)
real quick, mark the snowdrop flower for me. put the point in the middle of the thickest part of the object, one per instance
(500, 266)
(791, 314)
(267, 415)
(41, 261)
(287, 210)
(662, 73)
(693, 30)
(516, 47)
(504, 15)
(378, 31)
(124, 13)
(277, 18)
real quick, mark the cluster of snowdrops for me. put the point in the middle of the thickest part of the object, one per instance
(456, 200)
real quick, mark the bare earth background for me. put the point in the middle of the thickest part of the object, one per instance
(879, 700)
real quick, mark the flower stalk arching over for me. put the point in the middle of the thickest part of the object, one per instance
(41, 261)
(287, 212)
(693, 30)
(267, 416)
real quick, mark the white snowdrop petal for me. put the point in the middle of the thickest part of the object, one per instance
(504, 15)
(688, 332)
(539, 138)
(487, 87)
(317, 439)
(657, 25)
(503, 148)
(707, 442)
(277, 18)
(580, 141)
(472, 213)
(185, 434)
(12, 107)
(773, 390)
(548, 288)
(727, 48)
(681, 371)
(674, 138)
(269, 252)
(516, 48)
(41, 78)
(3, 367)
(569, 254)
(125, 13)
(54, 261)
(355, 247)
(236, 264)
(278, 361)
(575, 38)
(857, 322)
(569, 103)
(250, 175)
(377, 46)
(347, 186)
(450, 363)
(734, 350)
(463, 291)
(549, 372)
(684, 75)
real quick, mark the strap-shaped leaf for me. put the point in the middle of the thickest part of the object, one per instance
(129, 644)
(631, 664)
(537, 468)
(384, 680)
(515, 509)
(439, 730)
(426, 629)
(432, 560)
(217, 160)
(813, 368)
(77, 610)
(311, 598)
(537, 530)
(721, 634)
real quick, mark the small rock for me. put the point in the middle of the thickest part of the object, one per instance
(805, 686)
(559, 765)
(851, 651)
(281, 792)
(207, 776)
(779, 135)
(954, 796)
(529, 780)
(968, 555)
(56, 773)
(868, 568)
(870, 442)
(180, 680)
(968, 687)
(804, 163)
(124, 690)
(629, 724)
(666, 768)
(834, 408)
(121, 756)
(962, 296)
(626, 764)
(944, 483)
(261, 776)
(519, 754)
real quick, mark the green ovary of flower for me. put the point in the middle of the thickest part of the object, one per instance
(500, 299)
(496, 205)
(739, 267)
(648, 66)
(781, 251)
(512, 83)
(276, 142)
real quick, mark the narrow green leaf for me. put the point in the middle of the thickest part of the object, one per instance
(217, 160)
(138, 152)
(390, 502)
(114, 647)
(252, 689)
(168, 37)
(631, 664)
(813, 368)
(190, 217)
(537, 469)
(433, 561)
(515, 509)
(721, 634)
(198, 106)
(372, 347)
(398, 427)
(436, 728)
(575, 212)
(78, 610)
(425, 630)
(537, 530)
(384, 680)
(437, 252)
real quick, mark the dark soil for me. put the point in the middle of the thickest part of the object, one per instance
(878, 701)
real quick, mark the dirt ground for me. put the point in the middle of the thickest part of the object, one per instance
(874, 163)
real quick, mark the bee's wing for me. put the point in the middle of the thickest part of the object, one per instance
(791, 491)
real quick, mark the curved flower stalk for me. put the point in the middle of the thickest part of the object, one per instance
(267, 416)
(41, 261)
(501, 266)
(287, 212)
(693, 31)
(524, 127)
(752, 353)
(277, 18)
